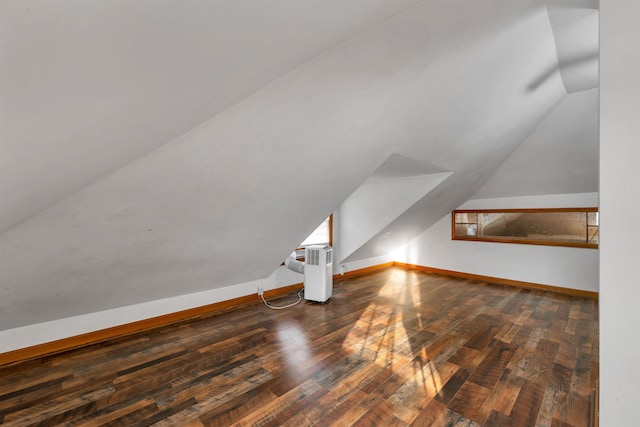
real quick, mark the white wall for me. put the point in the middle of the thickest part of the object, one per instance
(43, 332)
(575, 268)
(619, 201)
(392, 189)
(26, 336)
(180, 219)
(558, 157)
(88, 87)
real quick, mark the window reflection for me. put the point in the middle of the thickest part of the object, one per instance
(563, 227)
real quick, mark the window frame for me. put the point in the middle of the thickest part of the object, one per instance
(499, 239)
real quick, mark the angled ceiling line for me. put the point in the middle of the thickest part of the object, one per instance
(237, 103)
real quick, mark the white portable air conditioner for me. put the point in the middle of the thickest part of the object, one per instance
(318, 273)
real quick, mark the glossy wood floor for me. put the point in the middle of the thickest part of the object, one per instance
(395, 348)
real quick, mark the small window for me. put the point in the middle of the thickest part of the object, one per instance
(323, 235)
(577, 227)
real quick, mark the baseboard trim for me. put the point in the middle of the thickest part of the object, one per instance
(363, 271)
(65, 344)
(77, 341)
(283, 290)
(501, 281)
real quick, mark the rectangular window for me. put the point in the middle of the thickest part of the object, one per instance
(578, 227)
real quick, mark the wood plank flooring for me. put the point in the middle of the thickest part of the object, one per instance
(394, 348)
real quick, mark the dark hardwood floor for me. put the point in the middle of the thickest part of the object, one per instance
(394, 348)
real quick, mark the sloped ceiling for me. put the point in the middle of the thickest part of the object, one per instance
(392, 189)
(148, 147)
(575, 29)
(559, 157)
(89, 86)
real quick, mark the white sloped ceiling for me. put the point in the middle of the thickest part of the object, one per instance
(559, 157)
(89, 86)
(159, 165)
(392, 189)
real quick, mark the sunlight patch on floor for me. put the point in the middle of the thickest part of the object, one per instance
(386, 334)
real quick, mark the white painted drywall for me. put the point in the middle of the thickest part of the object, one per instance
(575, 268)
(576, 33)
(88, 87)
(472, 155)
(226, 201)
(560, 156)
(378, 202)
(619, 202)
(25, 336)
(392, 189)
(39, 333)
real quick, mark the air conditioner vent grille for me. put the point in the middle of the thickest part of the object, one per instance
(329, 257)
(313, 257)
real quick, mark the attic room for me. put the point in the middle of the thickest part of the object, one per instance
(161, 160)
